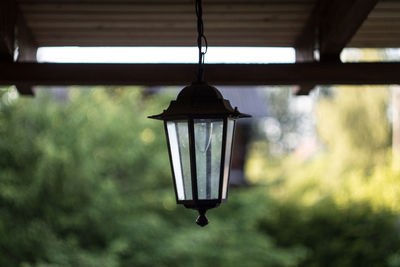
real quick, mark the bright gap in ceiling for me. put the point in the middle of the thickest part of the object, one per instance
(165, 55)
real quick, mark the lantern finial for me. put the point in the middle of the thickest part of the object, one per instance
(202, 219)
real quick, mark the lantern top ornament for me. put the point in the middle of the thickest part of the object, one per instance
(199, 100)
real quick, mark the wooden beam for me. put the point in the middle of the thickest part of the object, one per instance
(27, 49)
(303, 89)
(182, 74)
(306, 43)
(330, 28)
(339, 24)
(7, 26)
(10, 21)
(26, 43)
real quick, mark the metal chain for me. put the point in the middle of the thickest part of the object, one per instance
(200, 38)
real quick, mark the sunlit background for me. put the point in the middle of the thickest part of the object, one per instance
(85, 178)
(165, 55)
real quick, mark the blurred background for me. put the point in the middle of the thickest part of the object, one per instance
(85, 179)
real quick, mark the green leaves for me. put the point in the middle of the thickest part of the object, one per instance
(87, 182)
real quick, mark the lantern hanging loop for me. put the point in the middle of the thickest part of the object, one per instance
(200, 38)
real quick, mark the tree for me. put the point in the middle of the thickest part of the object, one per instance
(355, 127)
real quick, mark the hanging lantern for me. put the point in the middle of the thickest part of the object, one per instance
(199, 127)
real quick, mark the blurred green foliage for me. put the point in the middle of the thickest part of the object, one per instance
(342, 202)
(350, 236)
(354, 126)
(86, 182)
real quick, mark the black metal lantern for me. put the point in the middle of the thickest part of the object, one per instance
(200, 128)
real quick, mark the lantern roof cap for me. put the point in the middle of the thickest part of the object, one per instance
(199, 99)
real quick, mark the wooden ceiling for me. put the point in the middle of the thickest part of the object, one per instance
(318, 30)
(381, 28)
(172, 23)
(165, 23)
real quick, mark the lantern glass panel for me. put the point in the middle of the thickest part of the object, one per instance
(178, 135)
(208, 148)
(228, 154)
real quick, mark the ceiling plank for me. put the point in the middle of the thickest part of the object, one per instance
(181, 74)
(179, 42)
(178, 25)
(182, 17)
(165, 7)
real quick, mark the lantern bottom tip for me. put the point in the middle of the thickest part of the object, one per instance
(202, 219)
